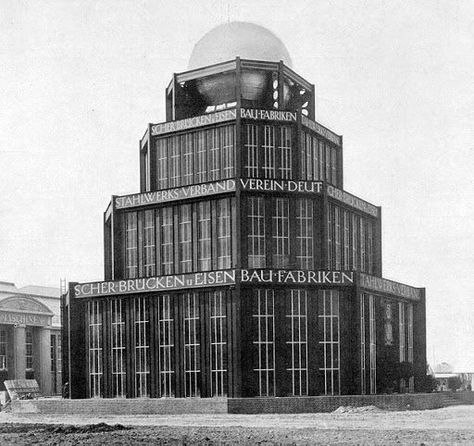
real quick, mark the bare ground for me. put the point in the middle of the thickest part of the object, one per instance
(448, 426)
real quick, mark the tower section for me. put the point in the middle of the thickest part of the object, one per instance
(242, 268)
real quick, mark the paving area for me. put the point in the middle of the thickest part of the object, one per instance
(349, 426)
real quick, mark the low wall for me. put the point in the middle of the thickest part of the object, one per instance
(313, 404)
(139, 406)
(176, 406)
(464, 397)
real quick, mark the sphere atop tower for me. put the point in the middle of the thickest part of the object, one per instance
(238, 39)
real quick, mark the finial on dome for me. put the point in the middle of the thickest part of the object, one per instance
(238, 39)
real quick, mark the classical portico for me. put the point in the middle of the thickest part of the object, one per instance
(26, 336)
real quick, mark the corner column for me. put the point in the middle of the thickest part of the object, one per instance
(44, 350)
(19, 351)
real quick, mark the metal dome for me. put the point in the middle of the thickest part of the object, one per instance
(242, 39)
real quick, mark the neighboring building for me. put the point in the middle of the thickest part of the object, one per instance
(30, 336)
(450, 379)
(242, 267)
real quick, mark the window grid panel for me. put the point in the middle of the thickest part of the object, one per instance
(224, 244)
(363, 372)
(218, 347)
(346, 241)
(256, 236)
(167, 241)
(269, 152)
(149, 243)
(303, 152)
(330, 230)
(304, 234)
(166, 347)
(285, 167)
(333, 166)
(401, 331)
(322, 176)
(117, 337)
(373, 346)
(227, 135)
(131, 245)
(337, 238)
(95, 349)
(204, 236)
(185, 239)
(309, 156)
(214, 154)
(281, 232)
(201, 156)
(142, 348)
(187, 158)
(315, 157)
(175, 161)
(355, 242)
(363, 266)
(298, 342)
(329, 320)
(162, 162)
(192, 365)
(265, 343)
(251, 144)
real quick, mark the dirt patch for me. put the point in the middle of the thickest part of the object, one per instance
(358, 409)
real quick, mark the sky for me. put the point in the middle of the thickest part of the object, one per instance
(80, 81)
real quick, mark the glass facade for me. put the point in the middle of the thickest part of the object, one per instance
(142, 347)
(117, 339)
(196, 157)
(95, 314)
(329, 340)
(166, 228)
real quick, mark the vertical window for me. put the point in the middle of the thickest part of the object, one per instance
(346, 241)
(175, 154)
(322, 177)
(330, 230)
(337, 238)
(329, 323)
(303, 154)
(328, 163)
(372, 346)
(370, 247)
(334, 166)
(192, 364)
(401, 331)
(3, 350)
(117, 339)
(296, 314)
(355, 242)
(315, 156)
(228, 151)
(167, 240)
(218, 346)
(146, 166)
(162, 163)
(204, 235)
(411, 380)
(285, 153)
(149, 243)
(251, 145)
(187, 158)
(214, 154)
(95, 349)
(269, 168)
(264, 314)
(166, 347)
(309, 156)
(256, 235)
(185, 239)
(281, 232)
(29, 348)
(201, 158)
(304, 234)
(142, 348)
(363, 389)
(223, 234)
(363, 259)
(54, 359)
(131, 245)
